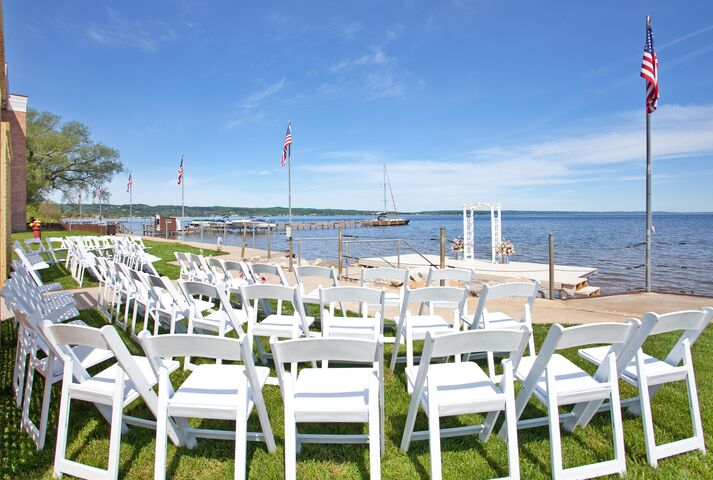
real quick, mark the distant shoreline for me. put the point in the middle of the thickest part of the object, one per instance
(143, 210)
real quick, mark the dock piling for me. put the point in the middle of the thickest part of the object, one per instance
(339, 252)
(551, 238)
(443, 251)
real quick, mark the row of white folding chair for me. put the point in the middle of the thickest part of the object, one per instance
(648, 374)
(33, 354)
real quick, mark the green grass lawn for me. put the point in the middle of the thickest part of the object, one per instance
(463, 457)
(165, 251)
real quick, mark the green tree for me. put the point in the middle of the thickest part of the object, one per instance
(62, 157)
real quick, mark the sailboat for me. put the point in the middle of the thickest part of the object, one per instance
(382, 218)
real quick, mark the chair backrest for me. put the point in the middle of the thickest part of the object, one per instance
(219, 272)
(462, 275)
(525, 290)
(691, 322)
(314, 271)
(238, 270)
(330, 349)
(193, 345)
(384, 274)
(62, 336)
(25, 267)
(364, 297)
(261, 271)
(512, 342)
(433, 296)
(191, 290)
(253, 295)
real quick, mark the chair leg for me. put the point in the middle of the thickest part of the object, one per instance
(161, 427)
(513, 449)
(46, 399)
(374, 432)
(693, 405)
(434, 434)
(241, 434)
(62, 426)
(616, 422)
(116, 425)
(554, 424)
(290, 444)
(646, 416)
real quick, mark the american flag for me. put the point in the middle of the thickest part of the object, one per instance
(180, 171)
(97, 192)
(79, 197)
(129, 184)
(286, 145)
(650, 71)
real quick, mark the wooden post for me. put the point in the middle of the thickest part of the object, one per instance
(339, 252)
(5, 203)
(443, 251)
(269, 237)
(552, 265)
(242, 252)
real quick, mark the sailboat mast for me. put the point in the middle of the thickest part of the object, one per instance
(385, 189)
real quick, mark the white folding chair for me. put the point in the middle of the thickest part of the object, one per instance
(111, 390)
(555, 381)
(268, 273)
(367, 325)
(326, 275)
(390, 276)
(485, 319)
(453, 277)
(412, 326)
(460, 388)
(648, 373)
(210, 310)
(212, 391)
(332, 395)
(281, 323)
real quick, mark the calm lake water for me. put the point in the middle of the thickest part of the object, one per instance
(613, 243)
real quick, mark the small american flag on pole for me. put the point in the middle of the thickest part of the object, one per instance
(180, 171)
(286, 146)
(97, 192)
(650, 71)
(129, 184)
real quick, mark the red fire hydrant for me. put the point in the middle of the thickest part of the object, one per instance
(36, 229)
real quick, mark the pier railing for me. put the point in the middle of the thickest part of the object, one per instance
(346, 246)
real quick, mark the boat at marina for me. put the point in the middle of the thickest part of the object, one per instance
(382, 218)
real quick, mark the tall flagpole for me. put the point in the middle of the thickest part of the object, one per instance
(183, 183)
(131, 199)
(649, 215)
(289, 192)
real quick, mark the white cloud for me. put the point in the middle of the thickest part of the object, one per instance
(256, 97)
(509, 171)
(120, 30)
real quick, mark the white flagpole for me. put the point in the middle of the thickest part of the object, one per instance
(131, 198)
(183, 183)
(649, 215)
(289, 192)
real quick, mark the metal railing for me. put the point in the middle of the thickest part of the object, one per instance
(345, 246)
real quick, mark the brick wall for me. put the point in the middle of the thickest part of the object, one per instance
(17, 116)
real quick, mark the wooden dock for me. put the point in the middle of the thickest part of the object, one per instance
(325, 225)
(570, 281)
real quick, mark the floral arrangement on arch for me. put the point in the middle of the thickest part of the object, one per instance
(457, 244)
(505, 248)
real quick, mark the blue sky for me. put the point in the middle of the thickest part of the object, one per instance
(537, 105)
